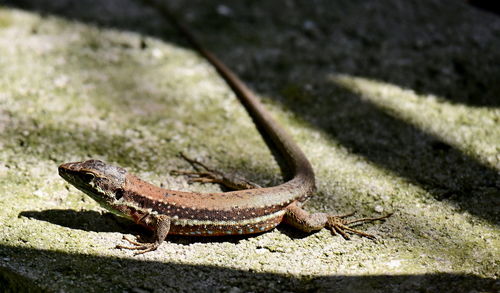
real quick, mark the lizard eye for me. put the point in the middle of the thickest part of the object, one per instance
(88, 177)
(118, 194)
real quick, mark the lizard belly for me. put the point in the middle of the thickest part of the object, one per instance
(195, 227)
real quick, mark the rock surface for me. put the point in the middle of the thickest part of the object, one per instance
(396, 103)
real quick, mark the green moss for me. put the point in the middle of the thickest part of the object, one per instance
(5, 20)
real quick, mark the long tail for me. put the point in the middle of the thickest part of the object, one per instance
(297, 162)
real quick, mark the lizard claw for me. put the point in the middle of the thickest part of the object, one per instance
(337, 224)
(140, 247)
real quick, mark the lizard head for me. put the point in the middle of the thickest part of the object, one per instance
(101, 181)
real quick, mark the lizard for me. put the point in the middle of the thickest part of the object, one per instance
(248, 209)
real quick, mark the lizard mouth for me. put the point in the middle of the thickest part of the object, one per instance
(67, 172)
(73, 174)
(82, 179)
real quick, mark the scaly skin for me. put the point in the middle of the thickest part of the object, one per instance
(239, 212)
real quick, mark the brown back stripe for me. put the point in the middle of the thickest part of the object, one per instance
(164, 207)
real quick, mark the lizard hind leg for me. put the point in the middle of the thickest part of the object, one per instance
(340, 225)
(306, 222)
(205, 174)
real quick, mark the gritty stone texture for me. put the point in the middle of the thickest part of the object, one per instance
(396, 103)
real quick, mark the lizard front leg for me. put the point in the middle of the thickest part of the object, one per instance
(160, 224)
(304, 221)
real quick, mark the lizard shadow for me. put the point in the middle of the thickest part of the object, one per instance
(93, 221)
(81, 220)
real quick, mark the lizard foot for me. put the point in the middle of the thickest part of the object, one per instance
(140, 247)
(205, 174)
(338, 224)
